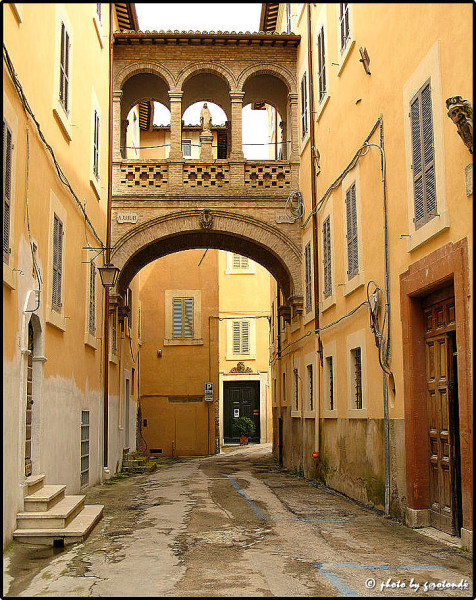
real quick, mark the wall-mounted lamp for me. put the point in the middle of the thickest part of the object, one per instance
(108, 274)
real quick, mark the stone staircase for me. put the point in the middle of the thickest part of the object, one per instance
(51, 518)
(135, 462)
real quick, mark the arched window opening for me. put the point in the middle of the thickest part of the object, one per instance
(192, 128)
(262, 132)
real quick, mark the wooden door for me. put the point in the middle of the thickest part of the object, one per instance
(241, 399)
(29, 402)
(442, 403)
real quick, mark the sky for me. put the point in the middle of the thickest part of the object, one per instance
(197, 16)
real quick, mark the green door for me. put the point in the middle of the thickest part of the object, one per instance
(240, 399)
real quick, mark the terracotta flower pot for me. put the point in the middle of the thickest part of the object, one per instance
(243, 440)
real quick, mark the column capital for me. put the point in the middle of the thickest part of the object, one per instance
(293, 98)
(175, 96)
(117, 95)
(237, 96)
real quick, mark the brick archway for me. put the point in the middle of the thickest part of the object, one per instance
(234, 232)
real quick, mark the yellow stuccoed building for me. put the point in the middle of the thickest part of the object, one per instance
(373, 384)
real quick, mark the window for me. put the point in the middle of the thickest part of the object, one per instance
(7, 189)
(99, 11)
(96, 145)
(130, 311)
(114, 332)
(321, 65)
(356, 361)
(308, 276)
(296, 389)
(92, 298)
(57, 263)
(64, 69)
(289, 18)
(330, 382)
(240, 262)
(304, 105)
(326, 242)
(423, 156)
(182, 309)
(187, 148)
(344, 25)
(84, 448)
(241, 337)
(310, 383)
(352, 239)
(283, 393)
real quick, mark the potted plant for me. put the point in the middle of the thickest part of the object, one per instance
(244, 427)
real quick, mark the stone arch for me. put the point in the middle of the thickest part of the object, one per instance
(137, 67)
(240, 233)
(206, 67)
(269, 69)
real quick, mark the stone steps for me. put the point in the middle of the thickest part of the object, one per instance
(52, 518)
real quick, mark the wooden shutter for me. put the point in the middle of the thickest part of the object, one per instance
(304, 104)
(321, 64)
(96, 145)
(57, 263)
(240, 262)
(92, 298)
(308, 276)
(326, 240)
(352, 239)
(344, 25)
(236, 337)
(7, 189)
(182, 309)
(423, 156)
(64, 68)
(241, 337)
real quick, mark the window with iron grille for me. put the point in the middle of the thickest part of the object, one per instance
(327, 257)
(7, 188)
(356, 355)
(344, 24)
(283, 392)
(187, 148)
(240, 262)
(241, 337)
(321, 64)
(304, 104)
(84, 448)
(296, 389)
(56, 302)
(96, 145)
(330, 382)
(423, 156)
(310, 381)
(352, 239)
(182, 309)
(308, 276)
(64, 69)
(92, 298)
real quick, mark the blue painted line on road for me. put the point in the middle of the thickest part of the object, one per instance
(336, 582)
(262, 516)
(255, 509)
(385, 567)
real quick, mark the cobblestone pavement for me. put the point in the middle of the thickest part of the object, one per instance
(237, 525)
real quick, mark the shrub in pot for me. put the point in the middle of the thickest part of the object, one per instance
(244, 427)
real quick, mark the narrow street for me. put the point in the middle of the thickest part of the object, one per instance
(237, 525)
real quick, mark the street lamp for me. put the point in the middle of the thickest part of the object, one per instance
(108, 274)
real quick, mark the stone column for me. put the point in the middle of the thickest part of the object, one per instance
(236, 126)
(175, 125)
(292, 129)
(116, 126)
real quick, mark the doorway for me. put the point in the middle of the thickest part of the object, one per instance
(240, 399)
(445, 506)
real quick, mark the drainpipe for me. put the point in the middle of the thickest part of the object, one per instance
(314, 216)
(108, 252)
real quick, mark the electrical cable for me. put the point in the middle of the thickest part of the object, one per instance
(28, 109)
